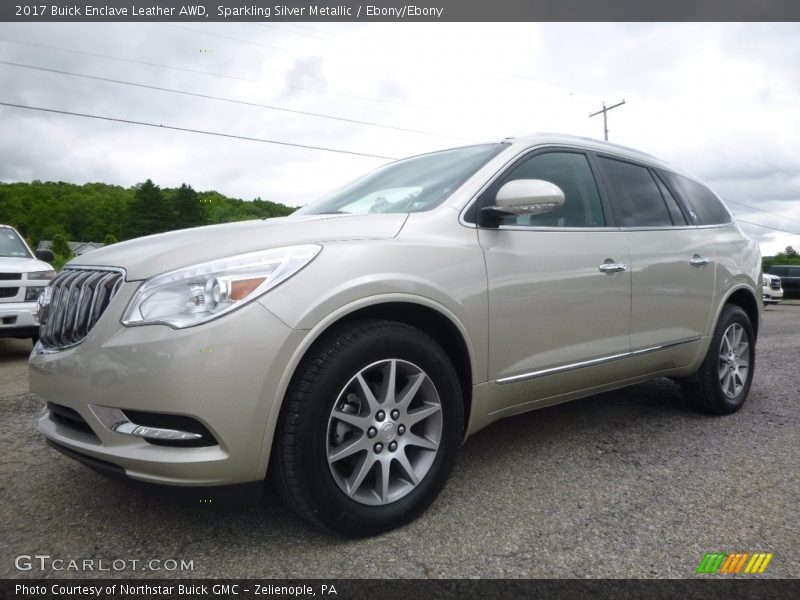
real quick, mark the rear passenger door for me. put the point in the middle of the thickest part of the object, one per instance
(672, 260)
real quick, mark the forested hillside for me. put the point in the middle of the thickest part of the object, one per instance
(100, 212)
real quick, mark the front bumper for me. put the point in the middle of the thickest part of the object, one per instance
(223, 374)
(18, 319)
(770, 295)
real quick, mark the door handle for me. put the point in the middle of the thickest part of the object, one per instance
(612, 267)
(699, 261)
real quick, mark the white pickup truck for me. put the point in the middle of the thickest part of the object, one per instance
(23, 275)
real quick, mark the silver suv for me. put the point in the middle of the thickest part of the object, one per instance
(350, 348)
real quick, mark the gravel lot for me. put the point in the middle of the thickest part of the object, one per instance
(624, 484)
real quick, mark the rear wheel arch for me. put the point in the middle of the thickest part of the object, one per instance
(745, 299)
(721, 383)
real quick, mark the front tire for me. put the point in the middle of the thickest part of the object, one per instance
(370, 428)
(721, 384)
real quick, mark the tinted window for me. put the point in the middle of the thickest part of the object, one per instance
(705, 205)
(672, 205)
(571, 172)
(779, 271)
(636, 194)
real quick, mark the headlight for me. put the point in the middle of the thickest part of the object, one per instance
(40, 275)
(43, 304)
(199, 293)
(32, 293)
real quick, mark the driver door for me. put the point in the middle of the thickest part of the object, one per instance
(558, 315)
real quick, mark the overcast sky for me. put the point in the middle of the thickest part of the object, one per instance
(721, 101)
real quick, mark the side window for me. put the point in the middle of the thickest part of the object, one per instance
(571, 172)
(701, 200)
(793, 272)
(779, 271)
(672, 205)
(636, 194)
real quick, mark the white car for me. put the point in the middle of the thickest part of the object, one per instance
(771, 289)
(23, 276)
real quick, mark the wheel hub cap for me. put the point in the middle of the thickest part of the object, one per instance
(388, 432)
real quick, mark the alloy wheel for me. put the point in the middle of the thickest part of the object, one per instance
(384, 432)
(734, 360)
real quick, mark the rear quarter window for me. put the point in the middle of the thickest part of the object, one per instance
(705, 207)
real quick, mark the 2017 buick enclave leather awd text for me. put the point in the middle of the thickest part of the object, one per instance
(351, 347)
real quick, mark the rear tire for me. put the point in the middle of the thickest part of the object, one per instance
(721, 384)
(370, 428)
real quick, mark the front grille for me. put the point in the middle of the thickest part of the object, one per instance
(10, 276)
(79, 298)
(8, 292)
(775, 284)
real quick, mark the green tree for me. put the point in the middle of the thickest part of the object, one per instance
(61, 250)
(87, 213)
(791, 252)
(110, 239)
(147, 213)
(188, 209)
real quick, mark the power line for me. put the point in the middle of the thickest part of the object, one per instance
(762, 210)
(226, 37)
(190, 130)
(767, 227)
(201, 72)
(240, 40)
(230, 100)
(129, 60)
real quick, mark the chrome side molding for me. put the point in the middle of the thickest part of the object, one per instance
(588, 363)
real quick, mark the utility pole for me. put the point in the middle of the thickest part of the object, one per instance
(605, 118)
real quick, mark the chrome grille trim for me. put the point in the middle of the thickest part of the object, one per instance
(80, 296)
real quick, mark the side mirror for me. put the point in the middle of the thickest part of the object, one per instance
(45, 255)
(523, 197)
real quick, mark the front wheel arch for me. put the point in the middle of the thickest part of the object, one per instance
(301, 471)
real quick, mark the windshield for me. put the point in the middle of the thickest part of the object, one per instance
(11, 245)
(410, 185)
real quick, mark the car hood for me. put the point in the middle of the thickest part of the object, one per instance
(147, 256)
(9, 264)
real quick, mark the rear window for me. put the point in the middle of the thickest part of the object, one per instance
(705, 207)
